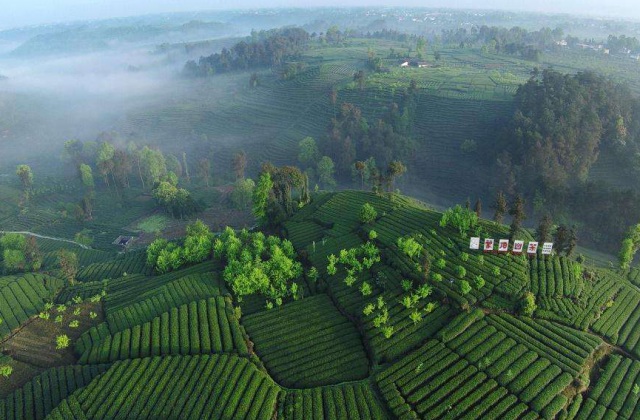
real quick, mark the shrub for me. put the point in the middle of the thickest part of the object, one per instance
(368, 213)
(465, 287)
(528, 304)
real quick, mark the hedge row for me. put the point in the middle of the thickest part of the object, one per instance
(206, 326)
(308, 343)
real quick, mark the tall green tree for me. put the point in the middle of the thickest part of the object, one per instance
(261, 197)
(500, 207)
(478, 208)
(326, 169)
(242, 193)
(104, 160)
(239, 164)
(395, 169)
(518, 216)
(26, 178)
(543, 233)
(308, 153)
(68, 264)
(204, 170)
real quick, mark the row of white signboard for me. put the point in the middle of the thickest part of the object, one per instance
(517, 248)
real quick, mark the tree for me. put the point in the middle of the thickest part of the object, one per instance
(573, 241)
(395, 169)
(62, 342)
(326, 170)
(174, 165)
(561, 238)
(185, 167)
(104, 160)
(68, 264)
(122, 167)
(465, 287)
(518, 215)
(242, 193)
(198, 243)
(460, 218)
(360, 166)
(86, 176)
(543, 233)
(6, 370)
(630, 245)
(360, 78)
(33, 255)
(500, 207)
(154, 165)
(239, 164)
(204, 170)
(26, 176)
(368, 213)
(528, 304)
(308, 151)
(478, 208)
(261, 197)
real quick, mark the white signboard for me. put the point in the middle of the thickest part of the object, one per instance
(547, 247)
(503, 245)
(474, 243)
(488, 244)
(518, 246)
(532, 248)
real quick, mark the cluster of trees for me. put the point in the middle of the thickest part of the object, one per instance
(20, 253)
(562, 124)
(315, 166)
(279, 191)
(565, 238)
(264, 49)
(118, 165)
(623, 43)
(462, 219)
(165, 256)
(516, 40)
(258, 264)
(176, 201)
(630, 245)
(355, 261)
(351, 138)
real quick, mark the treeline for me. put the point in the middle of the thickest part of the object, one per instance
(264, 49)
(560, 127)
(622, 43)
(514, 41)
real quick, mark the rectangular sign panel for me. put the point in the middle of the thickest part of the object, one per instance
(503, 245)
(488, 244)
(518, 247)
(474, 243)
(532, 248)
(547, 247)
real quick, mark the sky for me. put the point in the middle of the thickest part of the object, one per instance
(14, 13)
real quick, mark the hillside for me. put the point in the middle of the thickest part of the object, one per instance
(375, 334)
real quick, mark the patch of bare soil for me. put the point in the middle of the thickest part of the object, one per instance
(33, 346)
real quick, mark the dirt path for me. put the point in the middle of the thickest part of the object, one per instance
(46, 237)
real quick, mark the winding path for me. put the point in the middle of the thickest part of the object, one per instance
(46, 237)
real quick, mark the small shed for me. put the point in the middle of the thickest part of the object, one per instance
(123, 241)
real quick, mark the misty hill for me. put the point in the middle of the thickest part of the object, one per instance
(92, 38)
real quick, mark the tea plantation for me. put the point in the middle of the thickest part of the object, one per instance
(370, 334)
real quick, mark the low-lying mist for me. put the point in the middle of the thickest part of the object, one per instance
(45, 101)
